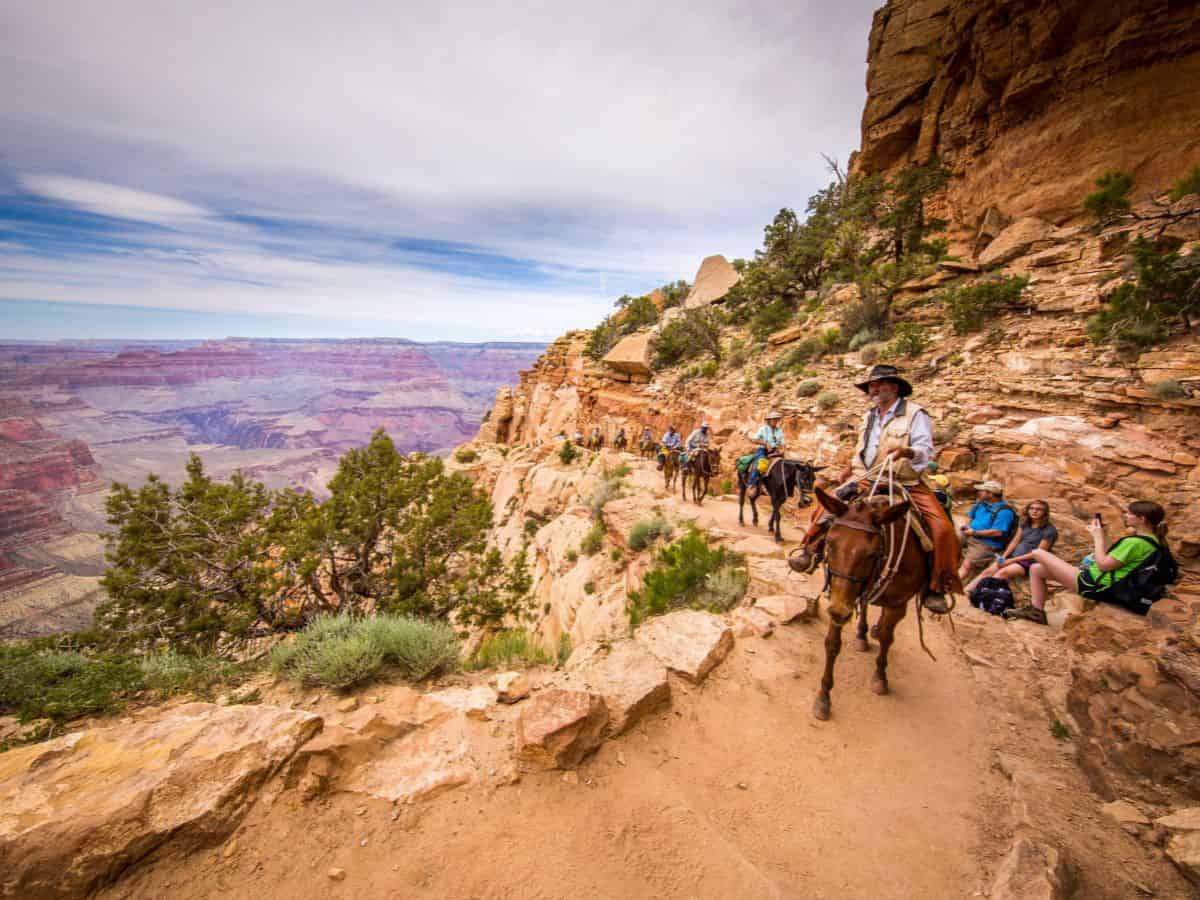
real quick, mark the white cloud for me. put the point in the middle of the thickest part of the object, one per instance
(113, 200)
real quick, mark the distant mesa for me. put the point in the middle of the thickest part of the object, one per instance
(713, 281)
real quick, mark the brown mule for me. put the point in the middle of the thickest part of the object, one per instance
(701, 466)
(870, 556)
(670, 468)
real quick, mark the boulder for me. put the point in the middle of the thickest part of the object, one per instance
(77, 811)
(751, 621)
(1184, 846)
(784, 608)
(787, 335)
(713, 281)
(1018, 239)
(632, 682)
(558, 728)
(631, 355)
(1124, 813)
(1033, 870)
(511, 686)
(687, 641)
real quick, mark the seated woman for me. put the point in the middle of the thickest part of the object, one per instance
(1036, 532)
(1095, 576)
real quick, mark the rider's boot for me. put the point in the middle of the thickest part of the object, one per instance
(808, 558)
(935, 602)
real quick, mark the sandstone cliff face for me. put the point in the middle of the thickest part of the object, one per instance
(1028, 101)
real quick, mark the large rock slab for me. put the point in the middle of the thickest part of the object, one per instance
(688, 642)
(76, 811)
(558, 728)
(713, 281)
(1033, 870)
(631, 680)
(1184, 846)
(784, 608)
(1018, 239)
(631, 355)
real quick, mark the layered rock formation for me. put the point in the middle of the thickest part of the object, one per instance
(1028, 101)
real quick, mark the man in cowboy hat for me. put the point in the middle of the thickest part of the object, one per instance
(896, 427)
(768, 439)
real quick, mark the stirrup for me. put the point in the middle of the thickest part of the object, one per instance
(804, 560)
(940, 604)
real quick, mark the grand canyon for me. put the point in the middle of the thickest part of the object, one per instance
(77, 415)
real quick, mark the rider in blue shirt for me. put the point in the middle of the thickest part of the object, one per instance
(670, 441)
(768, 439)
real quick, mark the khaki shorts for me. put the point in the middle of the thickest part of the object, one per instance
(977, 554)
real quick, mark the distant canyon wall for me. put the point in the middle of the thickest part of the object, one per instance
(1029, 101)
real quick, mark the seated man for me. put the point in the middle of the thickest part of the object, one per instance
(697, 440)
(647, 438)
(991, 524)
(768, 440)
(620, 441)
(895, 427)
(670, 441)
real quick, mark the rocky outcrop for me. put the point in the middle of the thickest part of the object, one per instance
(713, 281)
(1135, 695)
(631, 355)
(687, 642)
(558, 728)
(76, 811)
(1028, 101)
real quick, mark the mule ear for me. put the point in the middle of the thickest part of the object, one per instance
(893, 512)
(831, 503)
(818, 468)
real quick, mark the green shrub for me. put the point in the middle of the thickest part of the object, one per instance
(341, 650)
(968, 308)
(696, 332)
(46, 683)
(169, 671)
(862, 337)
(589, 587)
(771, 318)
(1168, 390)
(690, 574)
(1164, 295)
(646, 532)
(1186, 186)
(726, 485)
(827, 400)
(602, 339)
(868, 354)
(621, 471)
(909, 340)
(565, 647)
(512, 649)
(572, 556)
(709, 369)
(616, 554)
(765, 381)
(568, 453)
(593, 540)
(465, 455)
(808, 388)
(1111, 196)
(831, 339)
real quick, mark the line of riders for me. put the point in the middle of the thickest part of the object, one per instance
(897, 436)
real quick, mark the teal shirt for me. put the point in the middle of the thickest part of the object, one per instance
(773, 437)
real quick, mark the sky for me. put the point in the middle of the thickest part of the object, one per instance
(433, 171)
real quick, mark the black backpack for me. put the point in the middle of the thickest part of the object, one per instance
(993, 595)
(1146, 583)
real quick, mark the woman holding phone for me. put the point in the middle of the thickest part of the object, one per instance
(1097, 574)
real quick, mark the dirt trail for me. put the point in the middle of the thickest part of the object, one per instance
(734, 791)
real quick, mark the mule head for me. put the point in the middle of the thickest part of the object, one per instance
(805, 478)
(854, 550)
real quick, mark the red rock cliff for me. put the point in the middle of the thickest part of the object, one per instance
(1028, 101)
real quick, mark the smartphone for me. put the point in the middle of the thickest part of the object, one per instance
(1099, 519)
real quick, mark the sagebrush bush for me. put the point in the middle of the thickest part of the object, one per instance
(1168, 390)
(646, 532)
(341, 650)
(827, 400)
(862, 337)
(593, 540)
(690, 574)
(64, 684)
(709, 369)
(969, 307)
(511, 649)
(568, 453)
(809, 388)
(170, 671)
(465, 455)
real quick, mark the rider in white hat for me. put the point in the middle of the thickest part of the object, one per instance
(767, 440)
(699, 438)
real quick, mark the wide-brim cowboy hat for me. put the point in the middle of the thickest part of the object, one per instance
(886, 373)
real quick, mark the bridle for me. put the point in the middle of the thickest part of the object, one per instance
(885, 560)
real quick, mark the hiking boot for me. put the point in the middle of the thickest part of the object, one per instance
(1027, 613)
(805, 561)
(936, 603)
